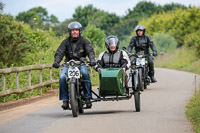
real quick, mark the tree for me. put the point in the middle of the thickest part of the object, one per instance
(13, 45)
(18, 40)
(193, 40)
(123, 28)
(178, 23)
(36, 17)
(96, 36)
(143, 9)
(84, 14)
(104, 20)
(93, 16)
(173, 6)
(62, 28)
(53, 19)
(1, 7)
(164, 42)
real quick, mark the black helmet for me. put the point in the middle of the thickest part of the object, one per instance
(111, 40)
(140, 27)
(74, 25)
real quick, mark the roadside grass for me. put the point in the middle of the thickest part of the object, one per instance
(185, 59)
(180, 59)
(193, 111)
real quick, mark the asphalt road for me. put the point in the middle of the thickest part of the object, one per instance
(162, 111)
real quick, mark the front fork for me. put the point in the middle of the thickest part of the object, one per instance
(134, 76)
(146, 76)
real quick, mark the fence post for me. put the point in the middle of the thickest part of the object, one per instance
(3, 86)
(41, 80)
(195, 84)
(29, 82)
(17, 83)
(3, 82)
(50, 76)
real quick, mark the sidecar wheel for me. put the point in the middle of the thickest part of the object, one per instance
(80, 105)
(145, 85)
(81, 111)
(137, 101)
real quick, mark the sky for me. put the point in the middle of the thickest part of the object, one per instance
(64, 9)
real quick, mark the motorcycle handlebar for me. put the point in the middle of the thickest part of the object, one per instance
(129, 54)
(77, 63)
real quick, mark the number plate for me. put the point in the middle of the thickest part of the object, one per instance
(140, 61)
(73, 72)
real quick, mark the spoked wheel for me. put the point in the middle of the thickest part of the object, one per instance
(80, 107)
(145, 85)
(73, 100)
(137, 100)
(140, 80)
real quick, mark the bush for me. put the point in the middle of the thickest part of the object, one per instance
(164, 42)
(14, 43)
(193, 40)
(178, 23)
(20, 45)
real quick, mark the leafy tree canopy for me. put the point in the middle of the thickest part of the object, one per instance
(37, 17)
(91, 15)
(1, 6)
(18, 40)
(96, 36)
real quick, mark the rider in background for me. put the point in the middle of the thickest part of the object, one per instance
(74, 47)
(142, 42)
(112, 57)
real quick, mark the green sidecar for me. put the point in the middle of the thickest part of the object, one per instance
(112, 82)
(114, 86)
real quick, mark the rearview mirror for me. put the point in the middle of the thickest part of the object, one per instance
(124, 48)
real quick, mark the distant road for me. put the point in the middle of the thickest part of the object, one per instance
(162, 111)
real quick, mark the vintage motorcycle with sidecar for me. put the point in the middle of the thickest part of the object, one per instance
(113, 87)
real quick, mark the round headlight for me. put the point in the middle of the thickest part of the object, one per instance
(72, 63)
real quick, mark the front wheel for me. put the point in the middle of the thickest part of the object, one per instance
(140, 80)
(137, 100)
(73, 100)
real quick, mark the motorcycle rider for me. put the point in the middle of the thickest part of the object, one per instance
(112, 57)
(142, 42)
(74, 47)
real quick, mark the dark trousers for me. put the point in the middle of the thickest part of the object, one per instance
(151, 66)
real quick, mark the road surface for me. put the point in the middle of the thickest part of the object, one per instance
(162, 111)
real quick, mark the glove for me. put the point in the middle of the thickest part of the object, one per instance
(56, 65)
(154, 53)
(92, 63)
(83, 59)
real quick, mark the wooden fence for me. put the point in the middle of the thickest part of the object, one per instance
(16, 70)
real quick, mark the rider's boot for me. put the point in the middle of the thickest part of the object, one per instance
(88, 103)
(151, 75)
(153, 80)
(65, 105)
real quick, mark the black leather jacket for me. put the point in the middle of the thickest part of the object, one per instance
(74, 49)
(141, 44)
